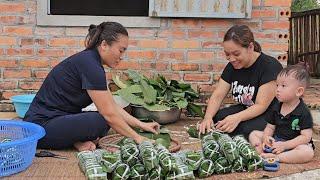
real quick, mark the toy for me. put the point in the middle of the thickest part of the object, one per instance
(271, 164)
(267, 149)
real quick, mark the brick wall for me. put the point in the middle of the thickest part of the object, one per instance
(184, 49)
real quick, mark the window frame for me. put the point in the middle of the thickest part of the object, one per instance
(45, 19)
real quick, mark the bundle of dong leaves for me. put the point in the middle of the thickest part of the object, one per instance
(143, 161)
(157, 94)
(223, 154)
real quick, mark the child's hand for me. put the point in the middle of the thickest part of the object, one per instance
(268, 141)
(278, 147)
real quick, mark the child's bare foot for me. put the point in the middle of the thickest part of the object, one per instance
(85, 146)
(268, 155)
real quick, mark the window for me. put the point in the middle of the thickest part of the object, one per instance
(86, 12)
(99, 7)
(135, 13)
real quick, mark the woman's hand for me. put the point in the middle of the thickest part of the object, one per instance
(205, 126)
(228, 124)
(278, 147)
(150, 127)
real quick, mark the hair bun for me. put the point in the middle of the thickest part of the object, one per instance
(92, 26)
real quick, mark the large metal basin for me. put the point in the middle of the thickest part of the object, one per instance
(162, 117)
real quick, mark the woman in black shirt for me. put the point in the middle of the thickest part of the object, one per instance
(250, 76)
(75, 83)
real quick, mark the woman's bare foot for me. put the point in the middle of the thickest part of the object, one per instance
(85, 146)
(268, 155)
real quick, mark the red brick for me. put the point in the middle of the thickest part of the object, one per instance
(211, 44)
(185, 67)
(275, 46)
(17, 30)
(35, 63)
(172, 76)
(11, 19)
(200, 34)
(172, 33)
(32, 42)
(171, 55)
(1, 51)
(147, 65)
(258, 13)
(200, 56)
(6, 95)
(6, 85)
(221, 54)
(70, 52)
(63, 42)
(207, 88)
(20, 52)
(136, 55)
(263, 35)
(215, 67)
(8, 63)
(133, 43)
(54, 62)
(216, 23)
(185, 44)
(31, 7)
(141, 32)
(77, 31)
(256, 3)
(54, 31)
(161, 66)
(221, 35)
(284, 13)
(12, 7)
(282, 25)
(51, 52)
(153, 43)
(250, 24)
(41, 73)
(197, 77)
(189, 23)
(30, 85)
(28, 20)
(82, 43)
(123, 65)
(277, 3)
(7, 41)
(17, 73)
(156, 66)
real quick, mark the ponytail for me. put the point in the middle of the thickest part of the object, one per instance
(108, 31)
(257, 47)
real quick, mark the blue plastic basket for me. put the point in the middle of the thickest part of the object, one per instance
(18, 145)
(22, 103)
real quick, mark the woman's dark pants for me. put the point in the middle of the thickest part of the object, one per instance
(245, 127)
(63, 131)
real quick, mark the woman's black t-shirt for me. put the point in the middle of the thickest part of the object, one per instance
(245, 82)
(64, 91)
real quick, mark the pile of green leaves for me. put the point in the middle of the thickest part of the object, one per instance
(157, 93)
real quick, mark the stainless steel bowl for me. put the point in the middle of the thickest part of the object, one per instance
(162, 117)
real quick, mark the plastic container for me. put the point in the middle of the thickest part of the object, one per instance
(18, 142)
(22, 103)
